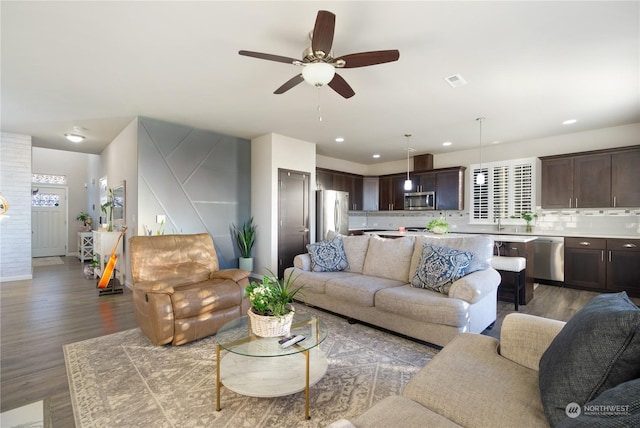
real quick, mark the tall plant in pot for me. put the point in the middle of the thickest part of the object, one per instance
(245, 238)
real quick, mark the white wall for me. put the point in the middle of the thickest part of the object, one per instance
(15, 227)
(120, 163)
(268, 154)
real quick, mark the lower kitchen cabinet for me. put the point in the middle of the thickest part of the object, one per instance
(602, 264)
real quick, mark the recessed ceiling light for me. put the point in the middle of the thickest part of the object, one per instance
(447, 143)
(339, 139)
(495, 142)
(74, 138)
(376, 156)
(569, 121)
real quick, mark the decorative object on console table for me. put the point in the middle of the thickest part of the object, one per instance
(86, 220)
(245, 238)
(271, 311)
(107, 209)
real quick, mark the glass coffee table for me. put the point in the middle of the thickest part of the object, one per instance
(259, 367)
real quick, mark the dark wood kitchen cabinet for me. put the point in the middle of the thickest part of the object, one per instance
(602, 179)
(327, 179)
(450, 189)
(603, 264)
(518, 249)
(391, 192)
(584, 262)
(623, 262)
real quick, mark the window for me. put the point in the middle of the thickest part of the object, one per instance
(508, 191)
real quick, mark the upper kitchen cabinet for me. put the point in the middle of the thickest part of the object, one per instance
(592, 180)
(391, 192)
(327, 179)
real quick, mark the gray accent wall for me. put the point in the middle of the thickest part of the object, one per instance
(200, 180)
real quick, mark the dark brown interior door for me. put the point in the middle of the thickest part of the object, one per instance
(293, 216)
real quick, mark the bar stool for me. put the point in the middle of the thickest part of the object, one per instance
(514, 269)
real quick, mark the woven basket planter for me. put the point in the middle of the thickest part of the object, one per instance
(264, 326)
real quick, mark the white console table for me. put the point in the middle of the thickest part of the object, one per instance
(103, 243)
(85, 246)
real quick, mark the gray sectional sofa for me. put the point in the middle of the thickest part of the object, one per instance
(376, 286)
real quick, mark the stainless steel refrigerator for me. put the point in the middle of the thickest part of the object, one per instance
(332, 212)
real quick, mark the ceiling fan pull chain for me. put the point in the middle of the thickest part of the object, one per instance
(319, 111)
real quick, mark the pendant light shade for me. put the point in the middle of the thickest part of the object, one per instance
(480, 178)
(408, 185)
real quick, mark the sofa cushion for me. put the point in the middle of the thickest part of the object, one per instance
(328, 256)
(597, 349)
(396, 411)
(314, 282)
(439, 267)
(358, 289)
(355, 247)
(389, 258)
(423, 305)
(469, 383)
(481, 246)
(617, 407)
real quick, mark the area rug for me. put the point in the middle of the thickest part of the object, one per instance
(46, 261)
(122, 380)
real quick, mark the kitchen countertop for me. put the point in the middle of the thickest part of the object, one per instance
(505, 238)
(500, 236)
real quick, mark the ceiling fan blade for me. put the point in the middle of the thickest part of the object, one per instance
(341, 86)
(269, 57)
(364, 59)
(289, 84)
(322, 37)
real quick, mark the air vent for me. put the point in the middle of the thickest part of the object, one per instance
(455, 81)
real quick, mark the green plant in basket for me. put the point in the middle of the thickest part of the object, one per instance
(273, 296)
(438, 225)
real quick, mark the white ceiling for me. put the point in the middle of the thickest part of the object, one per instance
(529, 66)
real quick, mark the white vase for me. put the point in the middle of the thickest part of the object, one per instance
(246, 263)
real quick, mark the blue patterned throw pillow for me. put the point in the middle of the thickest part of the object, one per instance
(439, 267)
(328, 256)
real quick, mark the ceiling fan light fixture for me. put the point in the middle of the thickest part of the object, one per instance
(74, 138)
(318, 73)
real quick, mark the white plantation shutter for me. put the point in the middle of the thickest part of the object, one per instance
(509, 190)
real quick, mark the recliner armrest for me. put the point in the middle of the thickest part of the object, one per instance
(236, 275)
(160, 287)
(475, 286)
(524, 338)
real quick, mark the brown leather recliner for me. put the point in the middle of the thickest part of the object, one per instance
(179, 293)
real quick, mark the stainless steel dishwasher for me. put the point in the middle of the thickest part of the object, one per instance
(549, 259)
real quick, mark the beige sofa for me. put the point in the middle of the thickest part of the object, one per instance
(475, 381)
(376, 288)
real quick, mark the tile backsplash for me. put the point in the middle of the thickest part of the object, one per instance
(603, 222)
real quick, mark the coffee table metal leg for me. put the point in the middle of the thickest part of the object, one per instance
(218, 382)
(306, 388)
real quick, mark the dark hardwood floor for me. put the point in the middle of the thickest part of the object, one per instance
(59, 306)
(39, 316)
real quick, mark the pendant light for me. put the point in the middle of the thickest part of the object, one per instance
(480, 178)
(408, 185)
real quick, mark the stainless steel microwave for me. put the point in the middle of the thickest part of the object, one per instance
(420, 201)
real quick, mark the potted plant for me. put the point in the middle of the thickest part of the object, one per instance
(85, 218)
(271, 311)
(245, 238)
(529, 217)
(438, 225)
(108, 206)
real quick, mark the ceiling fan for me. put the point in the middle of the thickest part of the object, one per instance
(319, 66)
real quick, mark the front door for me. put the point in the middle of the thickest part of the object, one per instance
(293, 216)
(48, 221)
